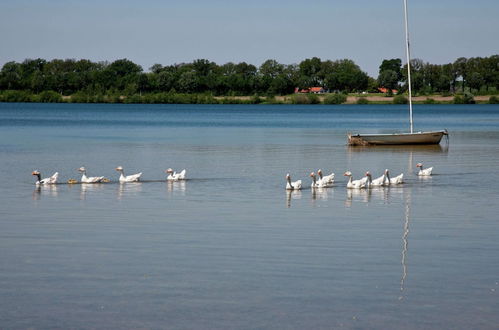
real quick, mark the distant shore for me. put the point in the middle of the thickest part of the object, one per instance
(297, 98)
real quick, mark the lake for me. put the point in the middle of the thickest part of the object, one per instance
(230, 248)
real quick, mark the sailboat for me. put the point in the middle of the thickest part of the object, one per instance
(433, 137)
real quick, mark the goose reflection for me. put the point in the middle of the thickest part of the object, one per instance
(89, 188)
(130, 188)
(176, 186)
(292, 194)
(320, 193)
(45, 190)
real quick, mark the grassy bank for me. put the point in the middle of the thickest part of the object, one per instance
(180, 98)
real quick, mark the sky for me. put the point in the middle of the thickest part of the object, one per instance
(168, 32)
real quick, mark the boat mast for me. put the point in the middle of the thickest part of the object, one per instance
(408, 64)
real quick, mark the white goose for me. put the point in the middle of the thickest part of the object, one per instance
(50, 180)
(89, 179)
(355, 184)
(317, 183)
(378, 182)
(128, 178)
(424, 172)
(174, 176)
(327, 179)
(292, 185)
(399, 179)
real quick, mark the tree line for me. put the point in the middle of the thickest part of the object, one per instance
(125, 78)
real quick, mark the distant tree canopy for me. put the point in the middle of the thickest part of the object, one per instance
(123, 77)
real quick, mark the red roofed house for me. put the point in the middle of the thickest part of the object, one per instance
(385, 90)
(315, 90)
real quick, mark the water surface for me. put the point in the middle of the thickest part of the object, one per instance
(230, 248)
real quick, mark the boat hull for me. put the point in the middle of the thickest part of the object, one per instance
(396, 138)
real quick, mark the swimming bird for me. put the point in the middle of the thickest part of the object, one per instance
(51, 180)
(292, 185)
(174, 176)
(399, 179)
(355, 184)
(91, 179)
(424, 172)
(378, 182)
(128, 178)
(327, 179)
(316, 183)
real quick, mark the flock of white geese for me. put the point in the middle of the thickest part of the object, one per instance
(319, 181)
(326, 181)
(172, 176)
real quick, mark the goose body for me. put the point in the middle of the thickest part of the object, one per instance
(50, 180)
(327, 179)
(317, 183)
(355, 184)
(378, 182)
(399, 179)
(89, 179)
(174, 176)
(128, 178)
(296, 185)
(424, 172)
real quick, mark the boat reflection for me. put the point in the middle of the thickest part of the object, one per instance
(292, 194)
(405, 244)
(45, 190)
(436, 148)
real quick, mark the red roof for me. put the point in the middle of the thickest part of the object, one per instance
(385, 90)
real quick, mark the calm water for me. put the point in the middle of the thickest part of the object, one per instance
(230, 248)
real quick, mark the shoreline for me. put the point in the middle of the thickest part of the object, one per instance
(174, 98)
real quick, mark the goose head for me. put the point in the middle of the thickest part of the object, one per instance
(419, 165)
(387, 172)
(119, 169)
(319, 173)
(82, 169)
(347, 173)
(169, 171)
(37, 174)
(368, 174)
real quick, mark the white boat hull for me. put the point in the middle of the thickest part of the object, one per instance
(396, 138)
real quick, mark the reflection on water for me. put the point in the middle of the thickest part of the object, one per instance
(422, 149)
(129, 188)
(292, 194)
(405, 242)
(176, 186)
(321, 193)
(89, 188)
(45, 190)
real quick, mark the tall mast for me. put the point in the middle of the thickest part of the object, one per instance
(408, 64)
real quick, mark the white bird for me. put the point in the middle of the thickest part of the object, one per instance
(399, 179)
(128, 178)
(327, 179)
(317, 183)
(424, 172)
(355, 184)
(174, 176)
(292, 185)
(87, 179)
(51, 180)
(378, 182)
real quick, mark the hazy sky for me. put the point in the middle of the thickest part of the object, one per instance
(167, 32)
